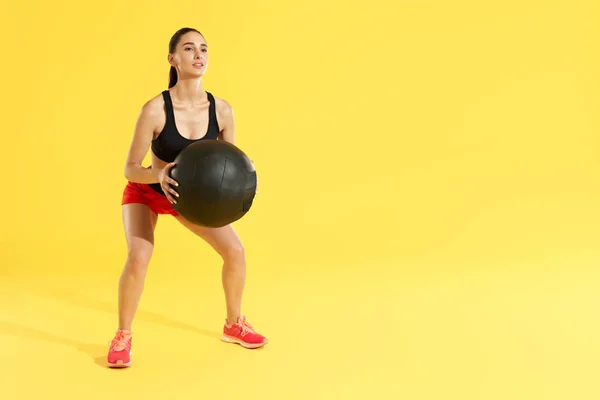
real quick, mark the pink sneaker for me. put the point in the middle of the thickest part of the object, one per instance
(243, 334)
(119, 354)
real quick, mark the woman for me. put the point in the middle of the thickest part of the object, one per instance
(167, 123)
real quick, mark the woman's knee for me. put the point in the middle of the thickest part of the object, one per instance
(139, 222)
(138, 260)
(234, 253)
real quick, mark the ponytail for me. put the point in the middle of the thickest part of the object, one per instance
(172, 77)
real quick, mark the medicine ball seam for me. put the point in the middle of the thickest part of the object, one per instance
(223, 178)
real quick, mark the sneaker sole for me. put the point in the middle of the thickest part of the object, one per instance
(230, 339)
(119, 364)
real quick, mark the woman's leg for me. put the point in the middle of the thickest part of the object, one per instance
(228, 245)
(139, 223)
(226, 242)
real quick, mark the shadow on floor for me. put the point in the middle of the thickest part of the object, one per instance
(80, 300)
(97, 352)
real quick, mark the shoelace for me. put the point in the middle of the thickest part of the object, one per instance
(120, 342)
(246, 327)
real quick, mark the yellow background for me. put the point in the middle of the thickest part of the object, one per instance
(426, 225)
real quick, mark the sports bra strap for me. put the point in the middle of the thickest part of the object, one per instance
(169, 107)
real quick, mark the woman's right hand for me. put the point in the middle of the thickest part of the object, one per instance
(167, 183)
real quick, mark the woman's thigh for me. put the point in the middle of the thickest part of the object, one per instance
(224, 240)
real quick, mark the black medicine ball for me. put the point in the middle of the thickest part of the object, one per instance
(217, 183)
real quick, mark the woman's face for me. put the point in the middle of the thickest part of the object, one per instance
(191, 55)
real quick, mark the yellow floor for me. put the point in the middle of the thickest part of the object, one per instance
(521, 330)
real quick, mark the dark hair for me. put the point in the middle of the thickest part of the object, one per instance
(172, 45)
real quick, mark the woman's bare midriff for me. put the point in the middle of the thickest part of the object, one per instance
(157, 163)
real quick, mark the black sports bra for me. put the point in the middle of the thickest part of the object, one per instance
(170, 143)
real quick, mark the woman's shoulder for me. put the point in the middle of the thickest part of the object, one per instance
(222, 106)
(154, 105)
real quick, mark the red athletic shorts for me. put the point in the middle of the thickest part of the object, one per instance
(142, 193)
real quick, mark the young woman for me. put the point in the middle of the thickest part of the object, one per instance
(167, 123)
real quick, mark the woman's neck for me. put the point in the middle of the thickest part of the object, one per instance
(190, 91)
